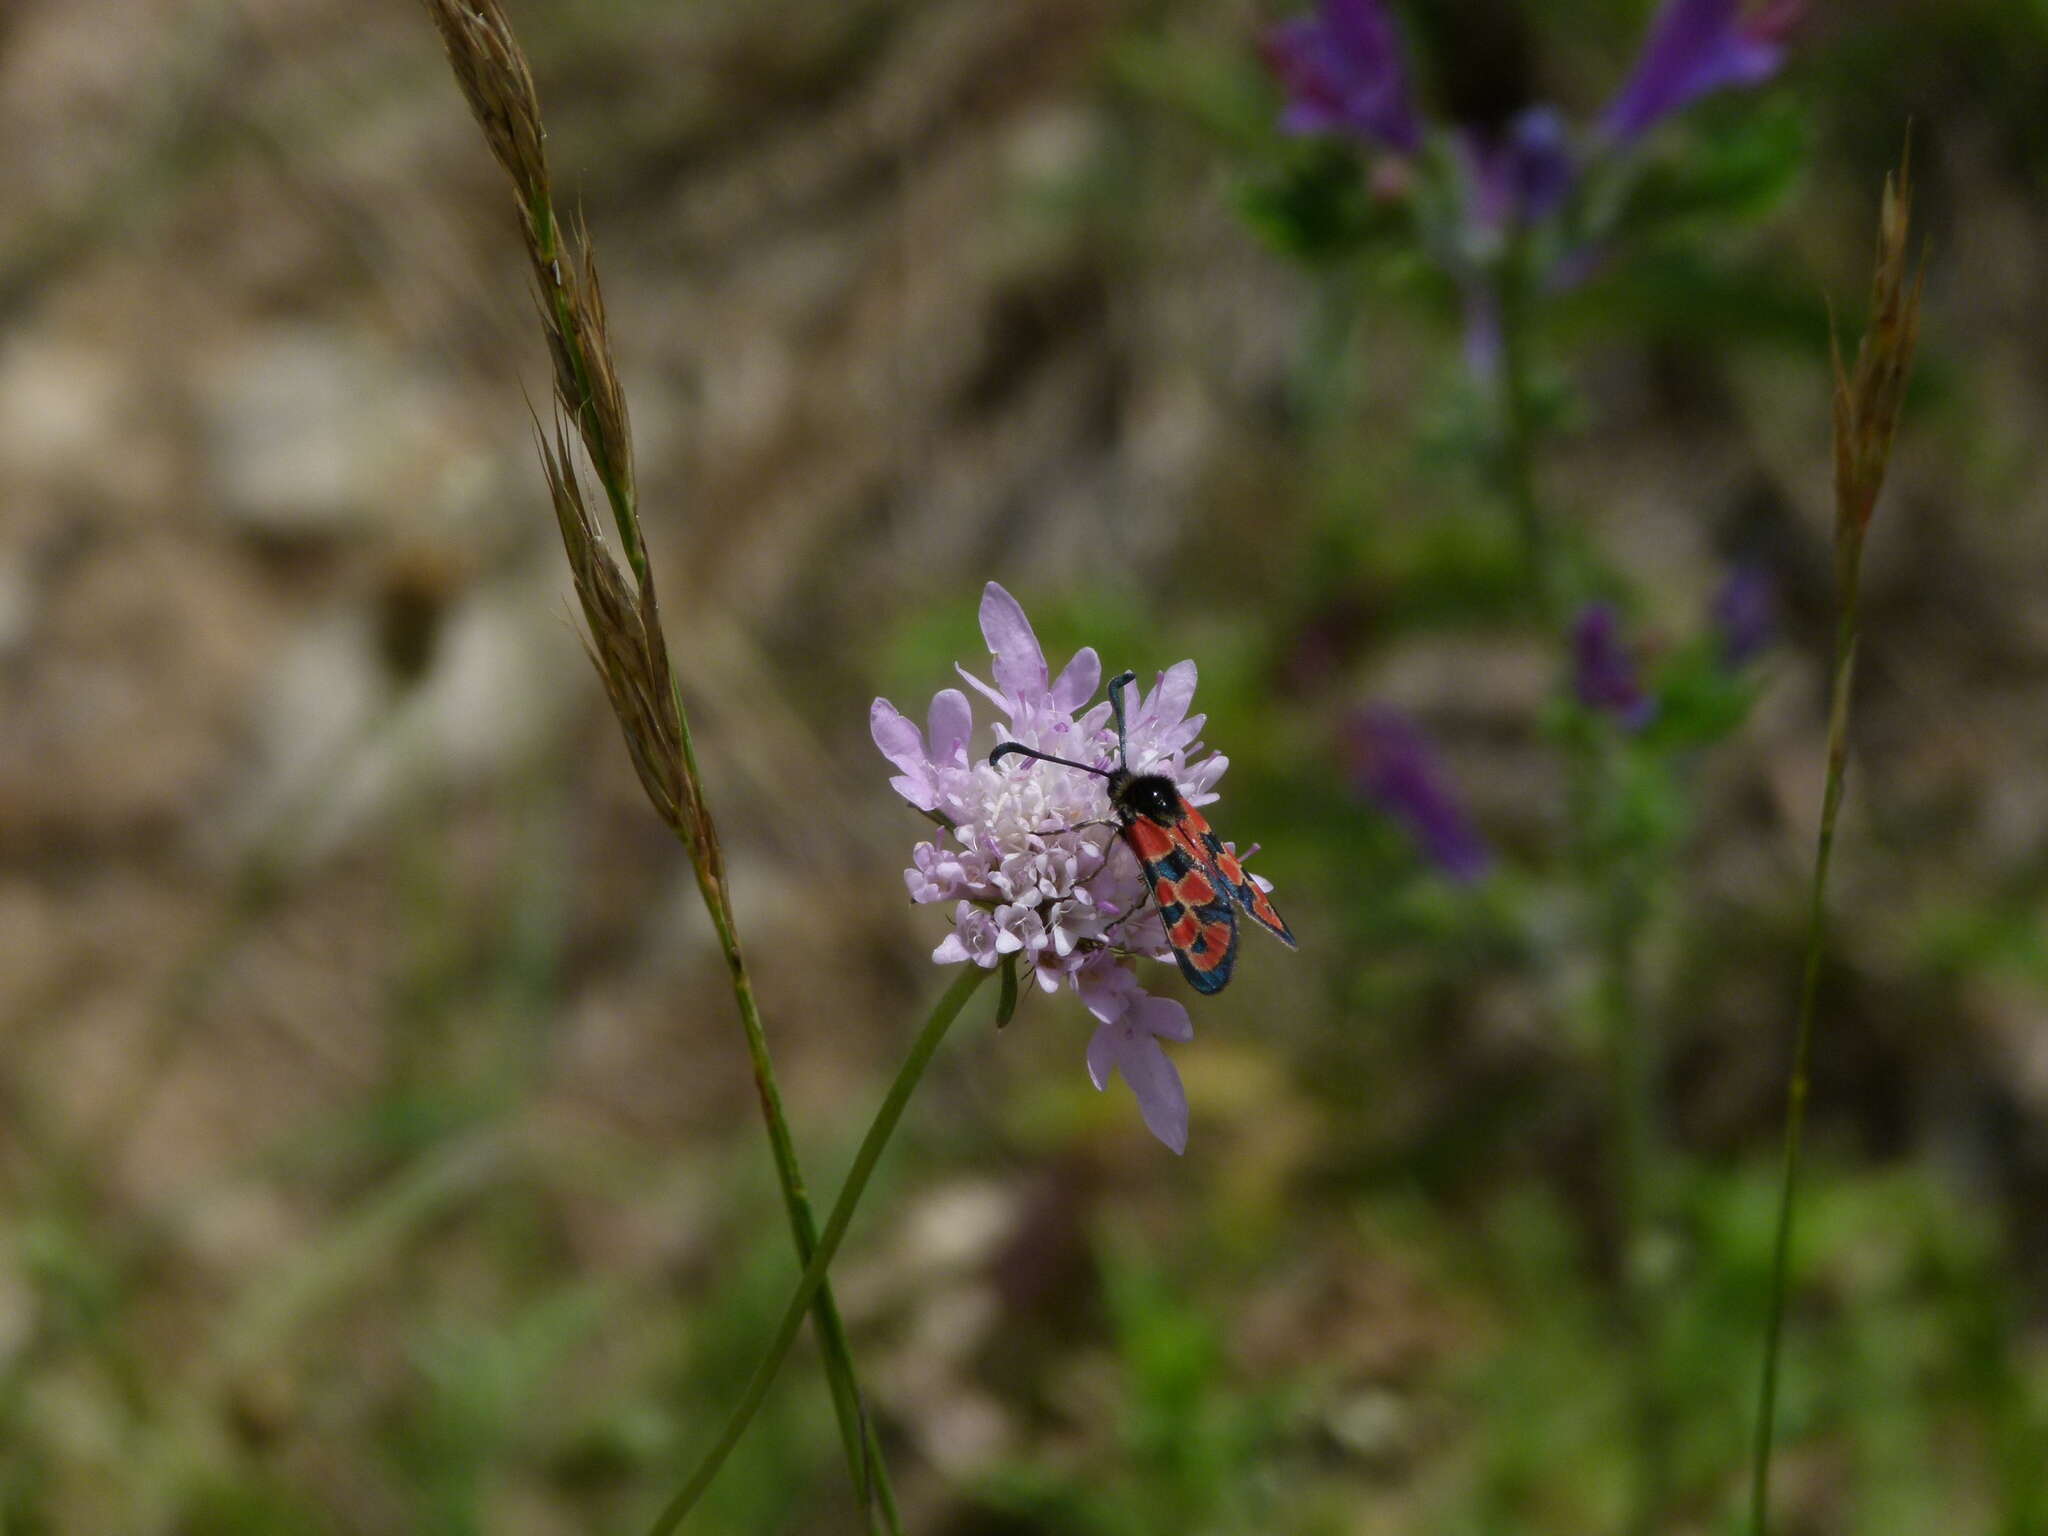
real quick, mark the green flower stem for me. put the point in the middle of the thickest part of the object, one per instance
(1614, 875)
(1518, 434)
(1849, 565)
(812, 1283)
(1618, 871)
(856, 1430)
(1637, 1146)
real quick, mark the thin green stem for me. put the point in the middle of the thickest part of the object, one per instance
(1796, 1087)
(856, 1428)
(1617, 868)
(1611, 871)
(871, 1147)
(1517, 451)
(1638, 1154)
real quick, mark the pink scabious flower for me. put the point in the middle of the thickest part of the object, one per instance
(1028, 855)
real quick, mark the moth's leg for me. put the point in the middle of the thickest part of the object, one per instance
(1144, 901)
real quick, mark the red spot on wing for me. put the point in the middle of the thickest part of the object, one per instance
(1212, 853)
(1211, 947)
(1210, 876)
(1150, 841)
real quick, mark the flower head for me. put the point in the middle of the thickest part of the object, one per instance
(1343, 73)
(1028, 855)
(1697, 47)
(1605, 675)
(1393, 765)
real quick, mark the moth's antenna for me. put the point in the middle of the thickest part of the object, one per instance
(1117, 685)
(1021, 750)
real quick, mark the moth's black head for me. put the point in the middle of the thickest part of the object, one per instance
(1147, 794)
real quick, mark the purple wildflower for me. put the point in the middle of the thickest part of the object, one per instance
(1604, 673)
(1030, 860)
(1393, 765)
(1694, 48)
(1343, 73)
(1745, 614)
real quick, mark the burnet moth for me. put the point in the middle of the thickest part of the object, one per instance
(1192, 873)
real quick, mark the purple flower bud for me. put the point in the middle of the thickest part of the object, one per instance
(1604, 673)
(1392, 765)
(1524, 173)
(1697, 47)
(1745, 614)
(1343, 73)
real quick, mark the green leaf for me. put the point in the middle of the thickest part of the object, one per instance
(1317, 205)
(1733, 166)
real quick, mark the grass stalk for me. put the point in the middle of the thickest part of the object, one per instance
(625, 636)
(871, 1148)
(1798, 1082)
(1867, 403)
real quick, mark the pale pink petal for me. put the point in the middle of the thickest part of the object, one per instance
(992, 695)
(896, 736)
(901, 744)
(952, 726)
(1077, 681)
(1019, 661)
(1163, 1018)
(1156, 1081)
(1169, 703)
(1102, 1056)
(1106, 988)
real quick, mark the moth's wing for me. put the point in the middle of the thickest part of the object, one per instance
(1230, 874)
(1201, 923)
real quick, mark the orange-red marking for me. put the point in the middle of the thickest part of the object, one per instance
(1150, 841)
